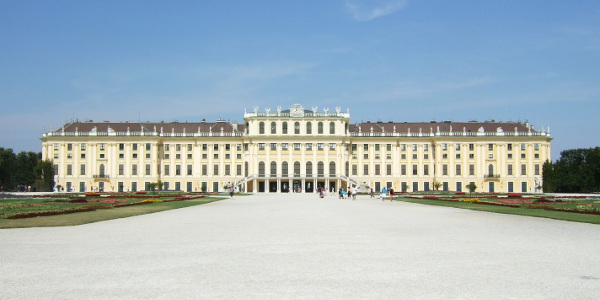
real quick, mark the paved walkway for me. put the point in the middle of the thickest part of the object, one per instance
(297, 246)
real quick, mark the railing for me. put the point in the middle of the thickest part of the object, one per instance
(102, 176)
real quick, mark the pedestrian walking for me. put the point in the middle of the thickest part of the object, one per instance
(383, 194)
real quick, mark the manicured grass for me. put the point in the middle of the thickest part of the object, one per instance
(522, 211)
(102, 214)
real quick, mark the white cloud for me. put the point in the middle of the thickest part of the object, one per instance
(368, 10)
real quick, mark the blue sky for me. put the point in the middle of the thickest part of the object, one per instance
(389, 60)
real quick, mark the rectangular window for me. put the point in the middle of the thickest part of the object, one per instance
(523, 187)
(471, 147)
(238, 170)
(147, 169)
(284, 146)
(320, 146)
(509, 169)
(444, 147)
(403, 170)
(388, 147)
(216, 169)
(121, 169)
(388, 169)
(366, 147)
(523, 147)
(377, 147)
(309, 146)
(134, 169)
(444, 169)
(509, 147)
(227, 169)
(426, 170)
(491, 147)
(134, 147)
(82, 171)
(426, 147)
(354, 169)
(366, 169)
(56, 148)
(261, 146)
(148, 146)
(458, 170)
(189, 170)
(331, 146)
(167, 147)
(523, 169)
(296, 146)
(273, 146)
(377, 170)
(167, 170)
(121, 147)
(536, 146)
(403, 147)
(415, 170)
(69, 169)
(216, 147)
(204, 147)
(204, 170)
(536, 169)
(82, 147)
(414, 147)
(177, 170)
(472, 170)
(457, 147)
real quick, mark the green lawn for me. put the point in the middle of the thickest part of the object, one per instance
(522, 211)
(100, 214)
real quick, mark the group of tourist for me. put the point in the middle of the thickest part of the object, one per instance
(350, 193)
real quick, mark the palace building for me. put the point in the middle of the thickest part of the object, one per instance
(297, 150)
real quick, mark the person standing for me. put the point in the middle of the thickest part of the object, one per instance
(391, 194)
(383, 194)
(231, 191)
(349, 193)
(354, 192)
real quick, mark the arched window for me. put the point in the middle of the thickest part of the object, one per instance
(331, 128)
(320, 169)
(284, 127)
(102, 170)
(309, 169)
(261, 169)
(320, 128)
(273, 128)
(273, 169)
(284, 169)
(491, 170)
(309, 128)
(332, 169)
(261, 128)
(296, 169)
(297, 128)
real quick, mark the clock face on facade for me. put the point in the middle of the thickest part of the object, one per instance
(297, 111)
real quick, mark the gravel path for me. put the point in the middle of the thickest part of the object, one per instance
(297, 246)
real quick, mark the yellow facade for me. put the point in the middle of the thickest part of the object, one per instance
(296, 150)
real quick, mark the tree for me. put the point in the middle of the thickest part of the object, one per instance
(436, 185)
(549, 177)
(44, 174)
(472, 187)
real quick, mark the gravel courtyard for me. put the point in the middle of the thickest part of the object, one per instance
(298, 246)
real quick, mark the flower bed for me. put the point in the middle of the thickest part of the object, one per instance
(50, 213)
